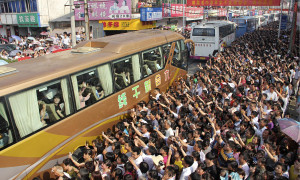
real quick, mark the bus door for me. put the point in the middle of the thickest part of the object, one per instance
(241, 24)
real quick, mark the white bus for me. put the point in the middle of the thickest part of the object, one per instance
(269, 18)
(261, 20)
(211, 37)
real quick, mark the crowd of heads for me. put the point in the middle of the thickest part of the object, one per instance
(33, 47)
(220, 123)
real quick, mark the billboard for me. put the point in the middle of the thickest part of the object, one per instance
(151, 14)
(98, 10)
(233, 2)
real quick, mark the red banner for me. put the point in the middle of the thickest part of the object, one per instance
(176, 10)
(233, 2)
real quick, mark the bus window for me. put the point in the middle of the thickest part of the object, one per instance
(87, 88)
(177, 58)
(152, 61)
(184, 53)
(5, 128)
(106, 80)
(34, 108)
(204, 32)
(123, 73)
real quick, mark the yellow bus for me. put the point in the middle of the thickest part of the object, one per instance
(52, 104)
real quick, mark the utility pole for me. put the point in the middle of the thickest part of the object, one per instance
(279, 27)
(86, 19)
(293, 31)
(72, 23)
(183, 17)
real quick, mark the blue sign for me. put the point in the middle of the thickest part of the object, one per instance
(151, 14)
(284, 20)
(230, 16)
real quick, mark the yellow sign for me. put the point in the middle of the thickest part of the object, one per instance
(128, 25)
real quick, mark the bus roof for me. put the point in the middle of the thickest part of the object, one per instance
(211, 24)
(42, 69)
(245, 17)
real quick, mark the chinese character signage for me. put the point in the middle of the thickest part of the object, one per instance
(99, 10)
(128, 25)
(28, 20)
(222, 12)
(176, 10)
(233, 2)
(151, 14)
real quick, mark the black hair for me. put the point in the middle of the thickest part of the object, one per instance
(110, 156)
(144, 167)
(136, 149)
(128, 167)
(123, 158)
(189, 160)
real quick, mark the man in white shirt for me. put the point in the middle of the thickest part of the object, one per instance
(169, 130)
(156, 93)
(66, 41)
(136, 155)
(188, 161)
(272, 95)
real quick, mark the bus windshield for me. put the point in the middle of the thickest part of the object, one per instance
(204, 32)
(240, 22)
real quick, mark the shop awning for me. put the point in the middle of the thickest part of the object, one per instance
(64, 18)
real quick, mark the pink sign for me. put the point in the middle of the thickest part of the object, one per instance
(176, 10)
(115, 9)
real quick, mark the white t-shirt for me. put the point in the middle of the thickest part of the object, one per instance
(246, 168)
(138, 160)
(194, 166)
(147, 135)
(186, 172)
(66, 41)
(169, 132)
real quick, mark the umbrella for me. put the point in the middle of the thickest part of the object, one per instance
(54, 48)
(290, 127)
(31, 38)
(49, 39)
(4, 39)
(36, 42)
(16, 37)
(44, 33)
(28, 51)
(2, 62)
(14, 52)
(39, 48)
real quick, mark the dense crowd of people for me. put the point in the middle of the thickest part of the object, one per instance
(220, 123)
(32, 47)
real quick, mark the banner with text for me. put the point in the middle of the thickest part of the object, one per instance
(176, 10)
(233, 2)
(98, 10)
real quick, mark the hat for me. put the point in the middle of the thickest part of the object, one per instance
(158, 161)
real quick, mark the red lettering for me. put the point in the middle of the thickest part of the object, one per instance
(110, 24)
(116, 24)
(104, 24)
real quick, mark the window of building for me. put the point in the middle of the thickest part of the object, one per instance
(6, 137)
(152, 61)
(40, 106)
